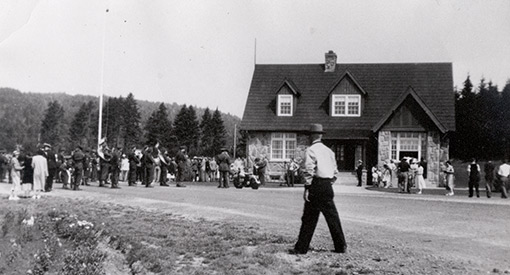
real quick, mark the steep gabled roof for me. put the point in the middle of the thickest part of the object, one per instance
(400, 100)
(348, 75)
(382, 84)
(291, 85)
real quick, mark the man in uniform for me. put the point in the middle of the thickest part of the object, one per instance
(133, 162)
(223, 160)
(320, 173)
(52, 166)
(115, 167)
(104, 163)
(180, 159)
(79, 162)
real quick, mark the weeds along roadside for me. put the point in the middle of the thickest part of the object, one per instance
(71, 236)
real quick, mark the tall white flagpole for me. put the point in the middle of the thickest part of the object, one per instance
(101, 88)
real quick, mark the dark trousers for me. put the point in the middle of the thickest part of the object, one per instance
(320, 201)
(103, 177)
(163, 175)
(148, 175)
(290, 178)
(49, 179)
(78, 175)
(115, 178)
(132, 175)
(504, 187)
(489, 186)
(223, 179)
(474, 184)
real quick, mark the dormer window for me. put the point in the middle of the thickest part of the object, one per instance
(285, 105)
(346, 105)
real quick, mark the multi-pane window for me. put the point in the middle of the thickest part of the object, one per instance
(285, 105)
(409, 142)
(346, 105)
(283, 146)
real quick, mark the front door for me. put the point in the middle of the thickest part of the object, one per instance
(345, 153)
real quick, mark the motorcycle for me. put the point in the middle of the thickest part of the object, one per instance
(245, 179)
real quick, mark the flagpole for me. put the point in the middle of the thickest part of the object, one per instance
(101, 88)
(235, 134)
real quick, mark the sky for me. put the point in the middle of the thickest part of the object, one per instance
(202, 52)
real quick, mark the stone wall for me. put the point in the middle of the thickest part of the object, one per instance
(437, 152)
(259, 146)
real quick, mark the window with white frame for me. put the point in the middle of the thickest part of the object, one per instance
(285, 105)
(283, 146)
(346, 105)
(409, 142)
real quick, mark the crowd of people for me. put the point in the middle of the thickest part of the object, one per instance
(409, 173)
(31, 174)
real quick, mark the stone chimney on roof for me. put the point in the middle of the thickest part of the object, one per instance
(330, 62)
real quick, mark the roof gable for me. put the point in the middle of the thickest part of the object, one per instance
(290, 85)
(409, 92)
(351, 81)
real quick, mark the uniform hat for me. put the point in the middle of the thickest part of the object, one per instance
(46, 145)
(223, 149)
(316, 129)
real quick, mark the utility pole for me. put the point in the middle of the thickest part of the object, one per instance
(235, 139)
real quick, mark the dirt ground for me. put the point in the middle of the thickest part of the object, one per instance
(387, 232)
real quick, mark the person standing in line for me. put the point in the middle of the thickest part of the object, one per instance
(403, 176)
(450, 178)
(473, 171)
(181, 161)
(124, 168)
(133, 164)
(64, 174)
(503, 174)
(359, 172)
(115, 167)
(223, 160)
(104, 163)
(78, 162)
(93, 167)
(420, 180)
(40, 166)
(4, 163)
(291, 172)
(386, 176)
(28, 175)
(86, 167)
(52, 167)
(489, 177)
(320, 174)
(15, 175)
(165, 162)
(261, 164)
(214, 169)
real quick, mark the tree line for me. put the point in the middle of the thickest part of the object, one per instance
(482, 116)
(66, 123)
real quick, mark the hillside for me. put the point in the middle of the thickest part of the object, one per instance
(21, 115)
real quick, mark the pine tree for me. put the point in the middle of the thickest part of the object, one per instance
(186, 129)
(193, 131)
(131, 122)
(206, 128)
(219, 132)
(159, 128)
(78, 132)
(504, 105)
(51, 124)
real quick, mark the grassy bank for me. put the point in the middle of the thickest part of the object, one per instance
(70, 236)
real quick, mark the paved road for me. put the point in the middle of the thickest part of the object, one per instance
(472, 229)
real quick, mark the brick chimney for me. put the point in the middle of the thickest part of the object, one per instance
(330, 62)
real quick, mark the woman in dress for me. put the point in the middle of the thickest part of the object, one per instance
(40, 166)
(15, 175)
(419, 178)
(449, 177)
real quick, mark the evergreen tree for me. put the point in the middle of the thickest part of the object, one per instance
(186, 129)
(504, 106)
(218, 132)
(193, 131)
(206, 128)
(79, 130)
(51, 130)
(159, 128)
(113, 121)
(131, 119)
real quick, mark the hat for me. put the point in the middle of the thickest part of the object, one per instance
(46, 145)
(15, 152)
(223, 149)
(316, 129)
(182, 147)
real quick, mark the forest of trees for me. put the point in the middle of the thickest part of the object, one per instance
(482, 121)
(65, 121)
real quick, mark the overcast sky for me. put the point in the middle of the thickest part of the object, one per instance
(202, 52)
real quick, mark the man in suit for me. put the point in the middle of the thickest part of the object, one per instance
(52, 166)
(181, 160)
(223, 160)
(320, 174)
(133, 162)
(104, 163)
(79, 163)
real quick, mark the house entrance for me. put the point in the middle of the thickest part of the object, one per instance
(347, 153)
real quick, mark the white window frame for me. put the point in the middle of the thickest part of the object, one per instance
(287, 98)
(347, 99)
(284, 139)
(397, 138)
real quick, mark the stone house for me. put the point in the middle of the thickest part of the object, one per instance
(370, 112)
